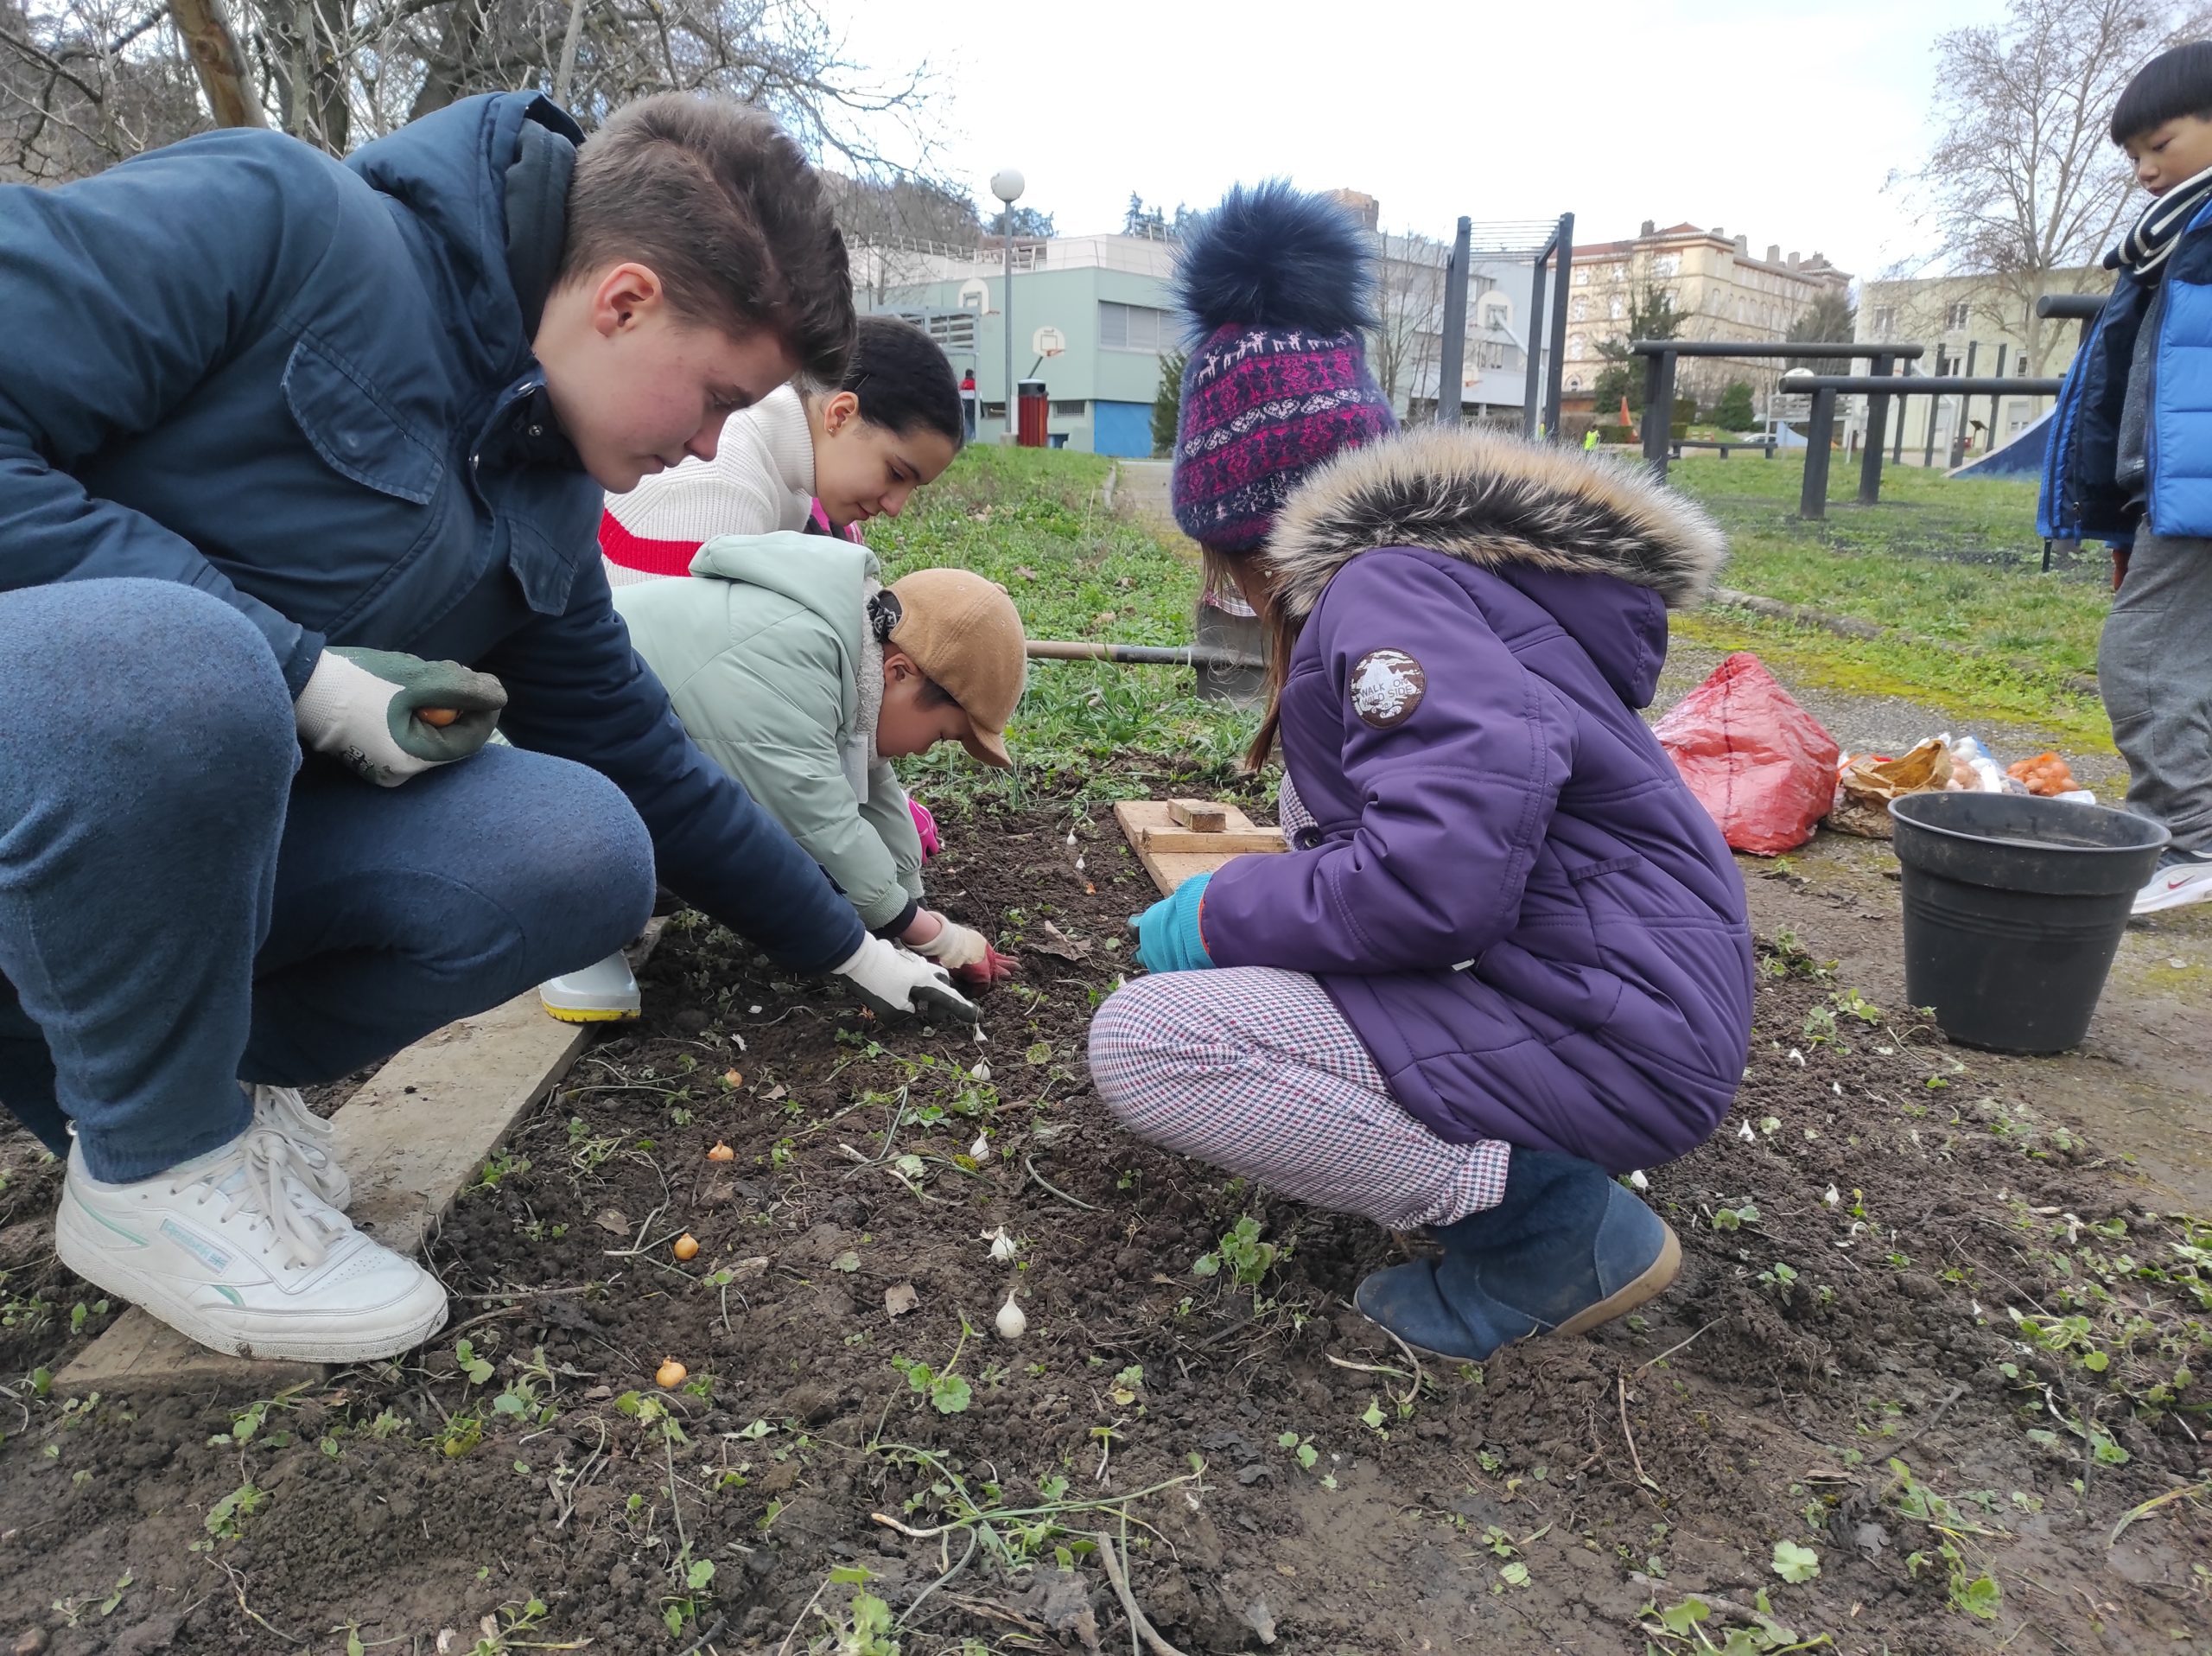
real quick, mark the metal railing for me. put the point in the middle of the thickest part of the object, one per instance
(1661, 355)
(1820, 437)
(1540, 401)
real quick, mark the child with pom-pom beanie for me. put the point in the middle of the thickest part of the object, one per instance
(1506, 955)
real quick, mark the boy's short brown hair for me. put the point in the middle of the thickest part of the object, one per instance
(715, 198)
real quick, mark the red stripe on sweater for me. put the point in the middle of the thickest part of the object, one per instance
(618, 545)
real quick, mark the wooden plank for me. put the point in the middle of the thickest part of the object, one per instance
(1140, 820)
(1226, 842)
(411, 1138)
(1200, 816)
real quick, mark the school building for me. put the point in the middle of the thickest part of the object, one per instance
(1724, 290)
(1093, 317)
(1976, 325)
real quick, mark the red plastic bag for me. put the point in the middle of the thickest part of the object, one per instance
(1761, 766)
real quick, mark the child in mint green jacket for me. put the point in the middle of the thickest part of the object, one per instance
(798, 672)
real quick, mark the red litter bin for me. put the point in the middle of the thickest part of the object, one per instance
(1032, 412)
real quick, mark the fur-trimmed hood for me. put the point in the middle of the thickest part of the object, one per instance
(1496, 502)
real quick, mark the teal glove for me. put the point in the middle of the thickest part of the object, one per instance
(1168, 933)
(365, 709)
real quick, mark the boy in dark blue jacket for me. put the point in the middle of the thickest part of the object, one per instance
(297, 453)
(2130, 463)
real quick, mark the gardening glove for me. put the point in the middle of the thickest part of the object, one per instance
(925, 826)
(1168, 933)
(386, 715)
(898, 984)
(952, 945)
(968, 954)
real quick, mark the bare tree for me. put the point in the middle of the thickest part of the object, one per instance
(2024, 185)
(1409, 311)
(84, 83)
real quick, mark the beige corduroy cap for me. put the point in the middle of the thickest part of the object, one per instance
(965, 634)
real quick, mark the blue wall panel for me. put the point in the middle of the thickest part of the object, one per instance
(1123, 428)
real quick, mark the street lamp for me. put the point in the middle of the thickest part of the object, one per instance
(1007, 184)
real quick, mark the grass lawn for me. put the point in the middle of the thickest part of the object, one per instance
(1031, 520)
(1953, 567)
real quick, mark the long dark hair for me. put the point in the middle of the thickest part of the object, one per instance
(1247, 575)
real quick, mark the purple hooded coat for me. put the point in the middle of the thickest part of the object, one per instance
(1508, 891)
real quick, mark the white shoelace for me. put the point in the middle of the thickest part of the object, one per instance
(256, 1177)
(289, 1112)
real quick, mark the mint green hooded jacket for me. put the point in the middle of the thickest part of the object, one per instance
(767, 658)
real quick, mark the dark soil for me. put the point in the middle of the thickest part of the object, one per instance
(1857, 1241)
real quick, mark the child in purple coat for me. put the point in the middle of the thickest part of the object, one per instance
(1506, 955)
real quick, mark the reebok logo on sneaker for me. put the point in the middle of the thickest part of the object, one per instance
(199, 1247)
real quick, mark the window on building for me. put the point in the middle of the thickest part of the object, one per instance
(2020, 368)
(992, 411)
(1666, 265)
(1886, 321)
(1616, 306)
(1070, 410)
(1135, 328)
(1577, 310)
(1958, 315)
(1582, 276)
(953, 330)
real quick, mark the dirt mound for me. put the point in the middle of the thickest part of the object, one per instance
(1883, 1260)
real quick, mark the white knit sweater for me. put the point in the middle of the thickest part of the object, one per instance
(761, 480)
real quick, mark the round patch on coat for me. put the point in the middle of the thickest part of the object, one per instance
(1386, 687)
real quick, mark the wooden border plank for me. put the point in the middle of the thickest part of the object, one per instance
(1141, 820)
(412, 1137)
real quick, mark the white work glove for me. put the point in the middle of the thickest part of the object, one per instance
(390, 716)
(898, 984)
(955, 946)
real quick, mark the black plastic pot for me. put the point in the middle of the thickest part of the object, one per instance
(2013, 909)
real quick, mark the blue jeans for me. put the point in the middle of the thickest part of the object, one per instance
(184, 905)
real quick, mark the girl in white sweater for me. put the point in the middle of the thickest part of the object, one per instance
(892, 424)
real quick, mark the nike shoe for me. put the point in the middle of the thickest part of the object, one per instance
(2181, 879)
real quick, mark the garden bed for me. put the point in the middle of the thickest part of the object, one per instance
(1191, 1390)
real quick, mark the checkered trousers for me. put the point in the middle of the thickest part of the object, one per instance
(1254, 1070)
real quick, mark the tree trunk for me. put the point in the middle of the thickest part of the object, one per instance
(219, 61)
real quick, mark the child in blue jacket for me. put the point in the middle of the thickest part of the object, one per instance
(2130, 463)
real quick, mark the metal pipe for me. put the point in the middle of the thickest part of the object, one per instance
(1655, 367)
(1878, 413)
(1562, 263)
(1532, 395)
(1830, 349)
(1861, 384)
(1142, 655)
(2001, 350)
(1451, 357)
(1819, 437)
(1928, 418)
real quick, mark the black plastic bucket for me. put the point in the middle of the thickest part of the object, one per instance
(2013, 909)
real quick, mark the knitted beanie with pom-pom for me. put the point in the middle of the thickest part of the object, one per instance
(1275, 285)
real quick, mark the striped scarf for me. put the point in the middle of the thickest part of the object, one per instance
(2144, 249)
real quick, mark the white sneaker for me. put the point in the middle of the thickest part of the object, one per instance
(2180, 879)
(600, 993)
(283, 1108)
(235, 1249)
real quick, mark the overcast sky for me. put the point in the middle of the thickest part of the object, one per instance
(1779, 121)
